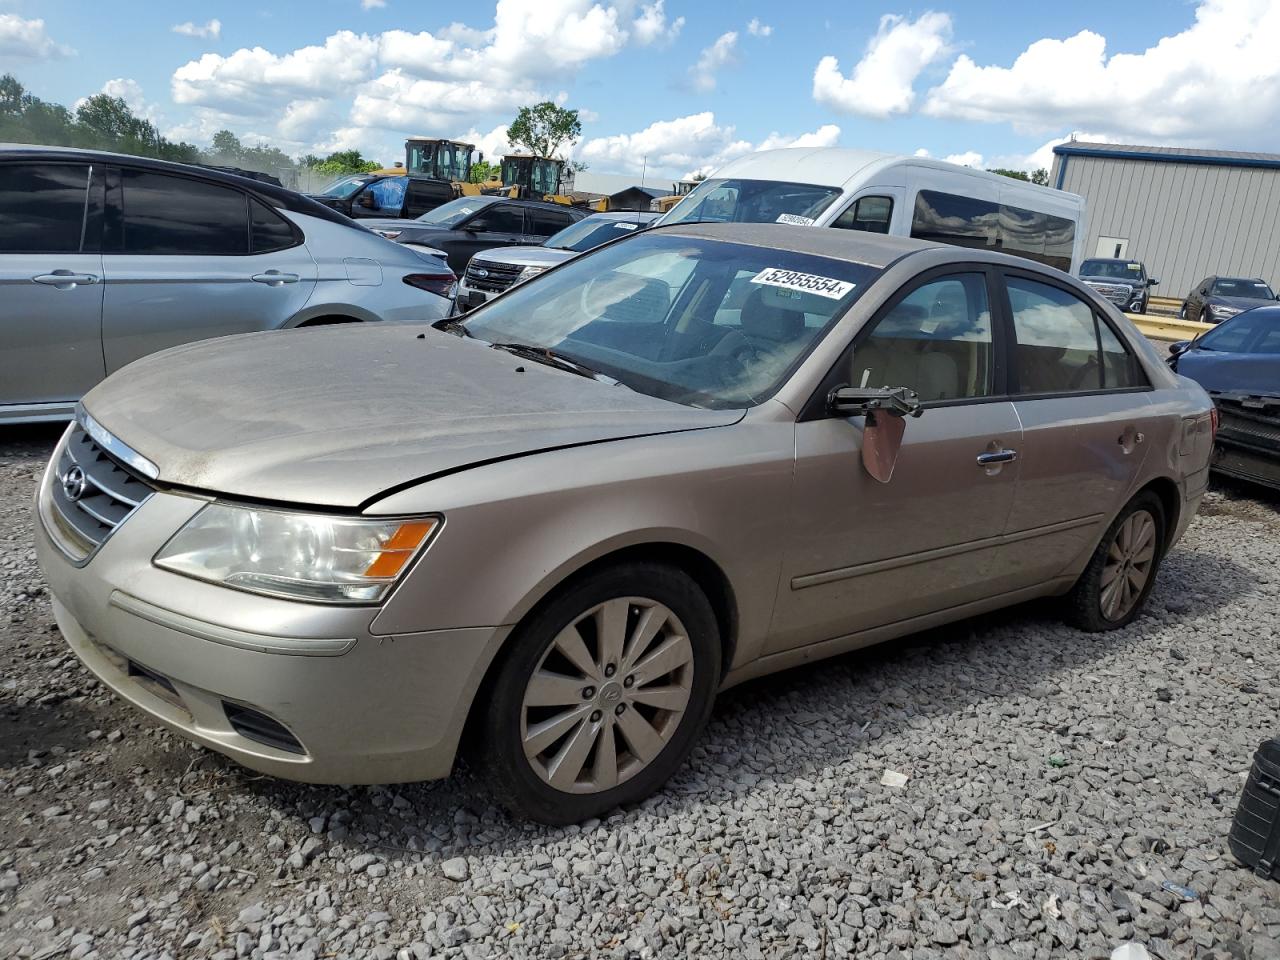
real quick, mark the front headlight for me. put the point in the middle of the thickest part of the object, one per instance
(529, 272)
(301, 556)
(389, 234)
(1223, 311)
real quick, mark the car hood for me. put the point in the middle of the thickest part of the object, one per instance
(1227, 372)
(527, 256)
(338, 416)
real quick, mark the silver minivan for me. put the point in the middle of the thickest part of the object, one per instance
(105, 258)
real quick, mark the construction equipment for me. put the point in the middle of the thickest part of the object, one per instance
(448, 160)
(679, 190)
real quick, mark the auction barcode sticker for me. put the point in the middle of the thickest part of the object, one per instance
(828, 287)
(794, 219)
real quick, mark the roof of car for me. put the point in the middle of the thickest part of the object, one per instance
(276, 196)
(1111, 260)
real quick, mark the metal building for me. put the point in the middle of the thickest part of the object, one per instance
(1188, 214)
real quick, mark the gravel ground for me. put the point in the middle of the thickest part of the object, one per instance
(1054, 782)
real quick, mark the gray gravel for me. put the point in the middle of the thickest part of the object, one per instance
(1054, 782)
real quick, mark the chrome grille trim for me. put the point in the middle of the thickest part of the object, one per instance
(499, 277)
(1118, 293)
(113, 490)
(115, 446)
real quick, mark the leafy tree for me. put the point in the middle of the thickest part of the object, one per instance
(544, 128)
(225, 147)
(346, 161)
(1040, 176)
(482, 170)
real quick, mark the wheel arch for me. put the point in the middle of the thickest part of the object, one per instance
(1170, 501)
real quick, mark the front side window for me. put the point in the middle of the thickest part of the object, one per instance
(1063, 346)
(501, 219)
(42, 207)
(753, 201)
(869, 214)
(936, 340)
(700, 322)
(163, 214)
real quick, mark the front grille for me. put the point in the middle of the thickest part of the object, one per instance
(92, 493)
(1118, 293)
(496, 276)
(1250, 420)
(260, 728)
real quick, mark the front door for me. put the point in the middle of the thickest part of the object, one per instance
(50, 283)
(1083, 402)
(496, 225)
(192, 259)
(864, 553)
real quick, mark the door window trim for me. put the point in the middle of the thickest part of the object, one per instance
(815, 408)
(1100, 316)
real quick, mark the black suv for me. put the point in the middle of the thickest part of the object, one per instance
(462, 228)
(1124, 282)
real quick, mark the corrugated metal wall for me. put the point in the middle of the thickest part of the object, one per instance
(1185, 221)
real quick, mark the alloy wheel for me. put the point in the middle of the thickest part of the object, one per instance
(607, 695)
(1130, 560)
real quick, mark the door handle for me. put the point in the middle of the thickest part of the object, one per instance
(274, 278)
(65, 279)
(997, 456)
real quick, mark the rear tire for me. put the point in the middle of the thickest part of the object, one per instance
(587, 714)
(1114, 587)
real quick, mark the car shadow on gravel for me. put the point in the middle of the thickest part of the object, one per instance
(858, 697)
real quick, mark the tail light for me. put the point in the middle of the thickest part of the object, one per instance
(441, 284)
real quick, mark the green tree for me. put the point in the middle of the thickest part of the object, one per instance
(482, 170)
(1040, 176)
(544, 128)
(225, 147)
(346, 162)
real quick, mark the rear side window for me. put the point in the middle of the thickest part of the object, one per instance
(1062, 344)
(869, 214)
(42, 207)
(174, 215)
(499, 219)
(543, 223)
(969, 222)
(270, 231)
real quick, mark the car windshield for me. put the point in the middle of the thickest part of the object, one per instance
(455, 211)
(589, 233)
(1112, 269)
(753, 201)
(701, 322)
(1250, 289)
(346, 187)
(1254, 331)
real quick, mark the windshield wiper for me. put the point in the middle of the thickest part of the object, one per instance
(451, 325)
(553, 359)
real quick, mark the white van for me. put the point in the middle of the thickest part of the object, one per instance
(885, 193)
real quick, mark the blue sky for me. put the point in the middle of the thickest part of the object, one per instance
(686, 84)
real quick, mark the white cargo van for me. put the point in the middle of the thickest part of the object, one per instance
(903, 196)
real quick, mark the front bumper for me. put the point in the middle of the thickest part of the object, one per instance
(295, 690)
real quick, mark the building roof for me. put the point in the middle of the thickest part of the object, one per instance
(1122, 151)
(653, 192)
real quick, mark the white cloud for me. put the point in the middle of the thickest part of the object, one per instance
(970, 158)
(882, 82)
(1217, 80)
(758, 29)
(208, 31)
(719, 54)
(492, 144)
(686, 144)
(27, 40)
(652, 26)
(372, 4)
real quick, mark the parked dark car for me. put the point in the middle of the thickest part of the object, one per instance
(365, 195)
(1219, 298)
(462, 228)
(1238, 362)
(1124, 282)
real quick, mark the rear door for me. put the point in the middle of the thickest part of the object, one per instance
(541, 223)
(187, 259)
(1084, 404)
(50, 281)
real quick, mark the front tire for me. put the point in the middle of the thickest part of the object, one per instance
(602, 694)
(1122, 571)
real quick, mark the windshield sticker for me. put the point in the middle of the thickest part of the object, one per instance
(795, 219)
(625, 226)
(1134, 266)
(827, 287)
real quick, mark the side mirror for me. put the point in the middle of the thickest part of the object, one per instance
(1179, 348)
(1153, 282)
(882, 431)
(365, 200)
